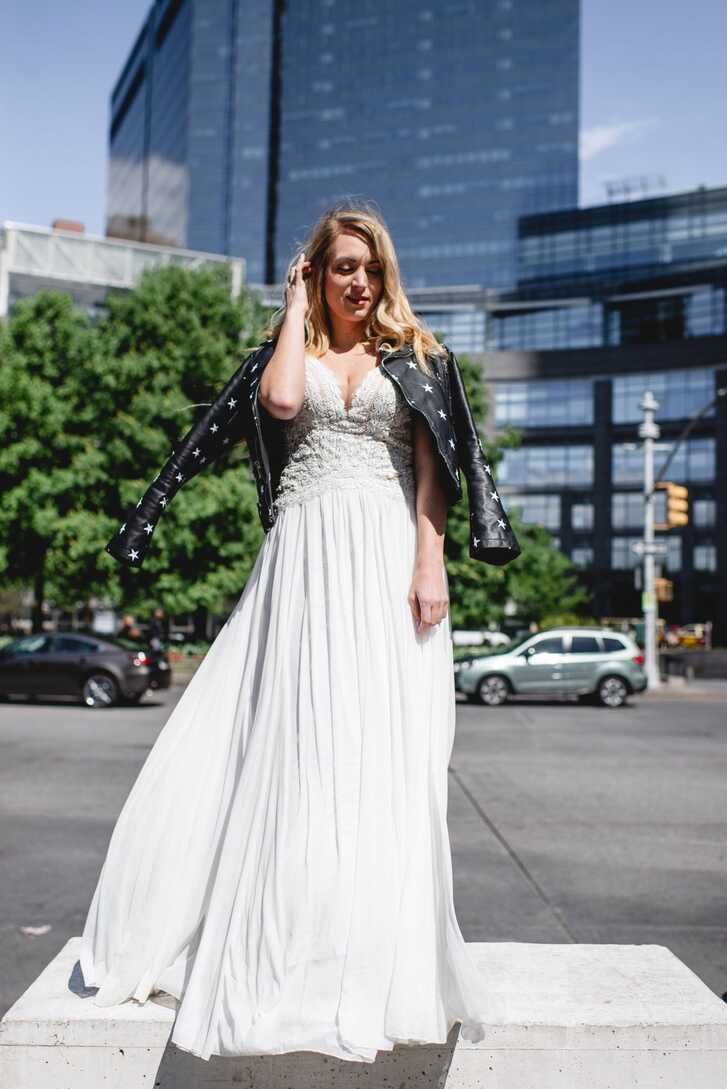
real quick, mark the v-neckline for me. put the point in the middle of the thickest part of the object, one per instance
(347, 409)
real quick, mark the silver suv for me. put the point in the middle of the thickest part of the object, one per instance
(588, 662)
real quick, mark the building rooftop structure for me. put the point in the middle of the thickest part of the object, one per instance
(86, 266)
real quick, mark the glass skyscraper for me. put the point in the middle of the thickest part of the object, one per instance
(234, 122)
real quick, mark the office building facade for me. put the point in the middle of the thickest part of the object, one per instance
(235, 122)
(612, 301)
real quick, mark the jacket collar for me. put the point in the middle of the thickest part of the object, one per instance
(405, 352)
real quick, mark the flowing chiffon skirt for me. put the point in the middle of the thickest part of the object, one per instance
(282, 863)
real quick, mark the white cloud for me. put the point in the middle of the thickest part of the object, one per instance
(602, 138)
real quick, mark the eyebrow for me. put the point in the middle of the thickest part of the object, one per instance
(350, 257)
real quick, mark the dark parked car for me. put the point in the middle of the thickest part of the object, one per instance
(99, 669)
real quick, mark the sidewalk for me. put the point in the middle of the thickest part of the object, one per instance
(701, 688)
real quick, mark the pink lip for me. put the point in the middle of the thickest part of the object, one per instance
(357, 301)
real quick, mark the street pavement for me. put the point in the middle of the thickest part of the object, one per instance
(568, 823)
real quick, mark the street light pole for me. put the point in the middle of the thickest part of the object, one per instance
(648, 548)
(649, 432)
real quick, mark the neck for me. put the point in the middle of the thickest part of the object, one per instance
(347, 337)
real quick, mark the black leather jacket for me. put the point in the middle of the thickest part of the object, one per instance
(235, 414)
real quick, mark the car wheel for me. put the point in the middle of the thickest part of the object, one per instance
(612, 692)
(100, 690)
(493, 690)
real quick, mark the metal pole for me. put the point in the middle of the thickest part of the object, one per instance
(649, 432)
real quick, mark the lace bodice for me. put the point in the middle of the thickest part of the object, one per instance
(368, 444)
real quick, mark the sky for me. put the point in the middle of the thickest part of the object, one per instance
(652, 101)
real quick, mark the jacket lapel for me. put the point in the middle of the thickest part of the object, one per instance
(428, 396)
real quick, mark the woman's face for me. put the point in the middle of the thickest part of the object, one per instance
(353, 280)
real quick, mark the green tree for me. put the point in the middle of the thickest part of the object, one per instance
(540, 581)
(169, 346)
(88, 413)
(50, 467)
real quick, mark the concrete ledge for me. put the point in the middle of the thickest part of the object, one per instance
(566, 1016)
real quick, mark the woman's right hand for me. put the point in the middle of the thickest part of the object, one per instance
(295, 291)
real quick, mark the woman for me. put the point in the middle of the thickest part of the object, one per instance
(282, 865)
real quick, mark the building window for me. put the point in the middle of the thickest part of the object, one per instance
(581, 516)
(649, 320)
(547, 466)
(622, 553)
(540, 510)
(693, 461)
(582, 555)
(706, 311)
(461, 330)
(627, 509)
(680, 394)
(673, 558)
(544, 404)
(704, 557)
(703, 512)
(579, 326)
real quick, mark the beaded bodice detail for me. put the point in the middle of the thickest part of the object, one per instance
(368, 444)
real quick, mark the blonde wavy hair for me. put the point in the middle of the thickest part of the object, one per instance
(392, 324)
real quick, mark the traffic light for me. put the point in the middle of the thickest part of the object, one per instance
(677, 505)
(664, 589)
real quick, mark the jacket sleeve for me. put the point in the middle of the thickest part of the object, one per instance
(491, 536)
(227, 419)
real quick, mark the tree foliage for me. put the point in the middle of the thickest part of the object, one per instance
(89, 413)
(50, 466)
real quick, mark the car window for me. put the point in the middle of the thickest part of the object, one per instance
(612, 646)
(584, 644)
(71, 644)
(29, 644)
(552, 645)
(126, 643)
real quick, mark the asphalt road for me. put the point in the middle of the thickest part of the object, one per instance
(568, 823)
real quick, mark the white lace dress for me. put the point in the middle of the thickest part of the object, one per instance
(282, 863)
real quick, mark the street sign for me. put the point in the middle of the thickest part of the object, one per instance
(648, 601)
(656, 548)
